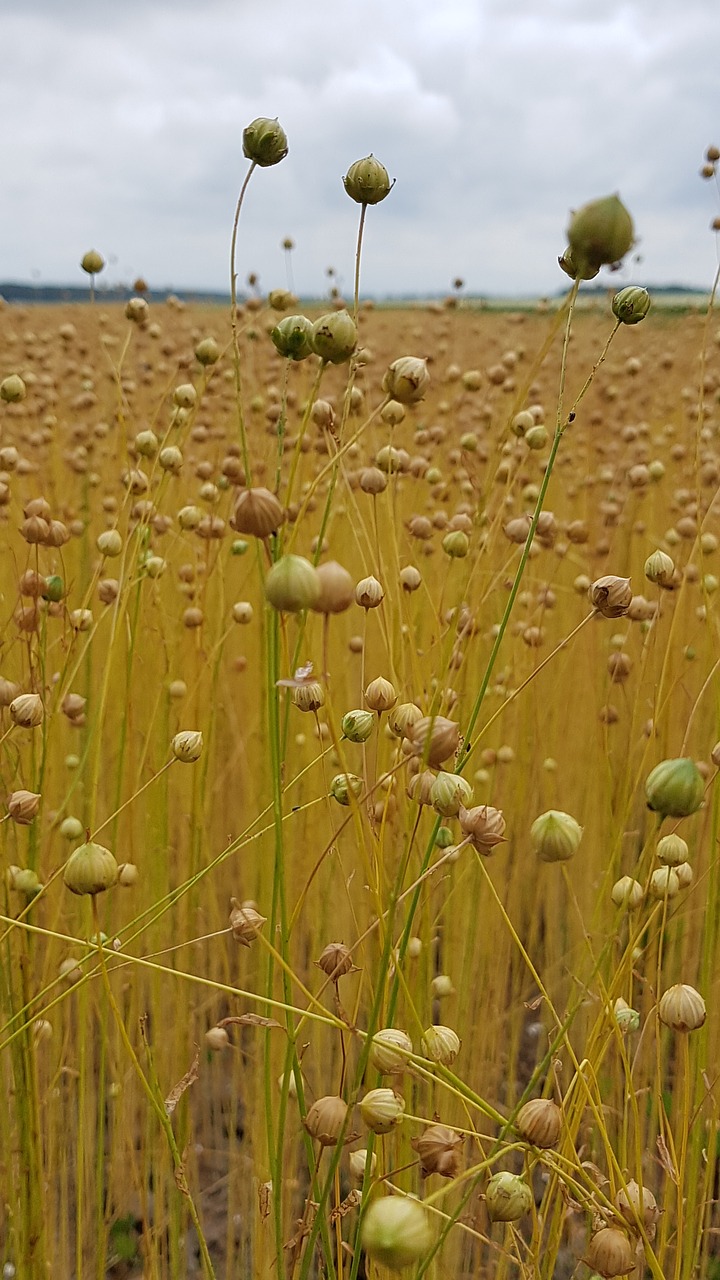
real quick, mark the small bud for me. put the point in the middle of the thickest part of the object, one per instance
(264, 142)
(610, 1253)
(137, 311)
(71, 828)
(539, 1122)
(334, 337)
(627, 892)
(23, 807)
(382, 1109)
(389, 1050)
(567, 263)
(187, 746)
(128, 875)
(659, 568)
(440, 1044)
(675, 788)
(92, 262)
(292, 584)
(207, 351)
(217, 1039)
(555, 836)
(292, 337)
(357, 726)
(185, 396)
(367, 181)
(627, 1019)
(600, 233)
(24, 881)
(326, 1120)
(380, 695)
(358, 1160)
(369, 593)
(611, 595)
(485, 827)
(242, 612)
(507, 1197)
(245, 922)
(682, 1008)
(396, 1232)
(407, 379)
(109, 542)
(90, 869)
(439, 1150)
(345, 786)
(638, 1207)
(442, 984)
(664, 883)
(631, 305)
(12, 389)
(672, 850)
(27, 711)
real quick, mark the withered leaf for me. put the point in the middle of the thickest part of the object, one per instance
(189, 1078)
(250, 1020)
(349, 1203)
(666, 1159)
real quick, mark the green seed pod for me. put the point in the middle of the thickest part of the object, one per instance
(334, 337)
(54, 589)
(555, 836)
(344, 786)
(292, 584)
(367, 181)
(357, 725)
(567, 263)
(440, 1044)
(659, 568)
(92, 262)
(23, 880)
(675, 788)
(12, 389)
(600, 233)
(507, 1197)
(672, 850)
(627, 1019)
(396, 1232)
(265, 142)
(187, 746)
(448, 792)
(631, 305)
(456, 544)
(382, 1109)
(292, 337)
(90, 869)
(207, 351)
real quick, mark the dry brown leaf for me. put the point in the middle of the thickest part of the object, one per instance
(349, 1203)
(264, 1193)
(189, 1078)
(666, 1159)
(250, 1020)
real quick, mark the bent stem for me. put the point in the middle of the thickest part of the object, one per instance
(233, 323)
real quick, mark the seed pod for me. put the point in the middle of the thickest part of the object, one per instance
(23, 807)
(671, 850)
(628, 1019)
(336, 961)
(207, 351)
(92, 262)
(380, 694)
(326, 1119)
(407, 380)
(659, 568)
(439, 1150)
(337, 590)
(12, 389)
(555, 836)
(217, 1039)
(664, 883)
(245, 922)
(682, 1008)
(292, 584)
(638, 1207)
(420, 787)
(402, 717)
(291, 337)
(358, 1160)
(448, 792)
(382, 1109)
(631, 305)
(440, 1044)
(539, 1122)
(27, 710)
(309, 697)
(396, 1231)
(684, 873)
(610, 1253)
(334, 337)
(369, 593)
(675, 788)
(264, 142)
(611, 595)
(345, 786)
(567, 263)
(187, 746)
(367, 181)
(23, 880)
(90, 869)
(507, 1197)
(389, 1050)
(357, 726)
(600, 233)
(434, 739)
(627, 892)
(128, 875)
(257, 512)
(485, 827)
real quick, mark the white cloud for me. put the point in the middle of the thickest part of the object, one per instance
(495, 117)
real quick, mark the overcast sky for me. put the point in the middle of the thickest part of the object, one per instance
(122, 131)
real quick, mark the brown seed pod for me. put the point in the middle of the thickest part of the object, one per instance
(539, 1122)
(336, 960)
(257, 513)
(326, 1119)
(245, 922)
(435, 739)
(439, 1150)
(484, 826)
(610, 1253)
(611, 595)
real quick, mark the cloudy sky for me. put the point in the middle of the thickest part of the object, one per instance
(122, 129)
